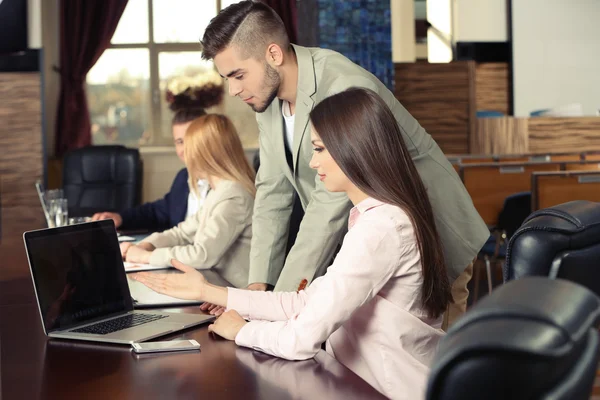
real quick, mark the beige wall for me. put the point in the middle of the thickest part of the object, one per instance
(403, 30)
(34, 24)
(480, 21)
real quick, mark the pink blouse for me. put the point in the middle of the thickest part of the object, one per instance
(367, 307)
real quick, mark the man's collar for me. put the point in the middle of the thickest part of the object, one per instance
(306, 71)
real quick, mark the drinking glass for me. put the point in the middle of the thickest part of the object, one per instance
(58, 212)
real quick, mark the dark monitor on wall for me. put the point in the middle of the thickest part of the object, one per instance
(13, 26)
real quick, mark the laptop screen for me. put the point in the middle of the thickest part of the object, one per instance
(78, 273)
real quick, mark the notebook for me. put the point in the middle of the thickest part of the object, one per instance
(138, 267)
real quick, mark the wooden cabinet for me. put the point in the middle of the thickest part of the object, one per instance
(21, 152)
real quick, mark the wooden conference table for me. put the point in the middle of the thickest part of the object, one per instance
(34, 367)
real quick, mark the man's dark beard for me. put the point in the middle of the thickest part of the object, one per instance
(271, 80)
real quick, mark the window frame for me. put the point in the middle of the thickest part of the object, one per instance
(159, 138)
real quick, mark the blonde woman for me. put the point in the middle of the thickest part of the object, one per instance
(219, 235)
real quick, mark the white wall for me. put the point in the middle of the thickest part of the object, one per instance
(556, 54)
(480, 21)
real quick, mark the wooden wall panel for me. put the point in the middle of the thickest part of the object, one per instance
(550, 134)
(437, 95)
(503, 135)
(20, 152)
(492, 87)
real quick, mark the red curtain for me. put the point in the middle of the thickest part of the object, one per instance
(86, 28)
(288, 13)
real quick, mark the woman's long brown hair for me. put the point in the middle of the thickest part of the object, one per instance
(364, 139)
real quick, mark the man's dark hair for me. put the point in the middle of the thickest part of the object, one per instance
(249, 25)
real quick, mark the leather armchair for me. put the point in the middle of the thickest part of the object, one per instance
(532, 338)
(102, 178)
(558, 242)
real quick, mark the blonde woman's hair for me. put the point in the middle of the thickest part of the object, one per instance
(213, 147)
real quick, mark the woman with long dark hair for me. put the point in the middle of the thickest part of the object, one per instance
(381, 302)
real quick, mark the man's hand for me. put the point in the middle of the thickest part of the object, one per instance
(108, 215)
(228, 325)
(257, 286)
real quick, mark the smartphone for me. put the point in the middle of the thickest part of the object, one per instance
(171, 345)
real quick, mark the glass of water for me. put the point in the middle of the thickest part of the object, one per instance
(58, 213)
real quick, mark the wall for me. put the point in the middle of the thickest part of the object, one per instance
(480, 21)
(555, 54)
(356, 28)
(51, 89)
(34, 24)
(21, 155)
(465, 21)
(403, 30)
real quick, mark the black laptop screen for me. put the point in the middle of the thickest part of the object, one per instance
(78, 273)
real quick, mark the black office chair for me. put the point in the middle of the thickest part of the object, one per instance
(533, 338)
(102, 178)
(558, 242)
(514, 211)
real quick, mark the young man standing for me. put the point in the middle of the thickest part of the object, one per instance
(282, 82)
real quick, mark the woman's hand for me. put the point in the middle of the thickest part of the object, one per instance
(136, 254)
(146, 246)
(228, 325)
(212, 309)
(189, 285)
(124, 248)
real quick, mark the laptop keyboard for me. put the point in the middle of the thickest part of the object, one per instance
(118, 324)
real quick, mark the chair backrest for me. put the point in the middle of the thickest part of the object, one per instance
(552, 188)
(558, 242)
(490, 183)
(589, 165)
(533, 338)
(591, 156)
(516, 209)
(102, 178)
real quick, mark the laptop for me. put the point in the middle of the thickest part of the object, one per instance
(82, 290)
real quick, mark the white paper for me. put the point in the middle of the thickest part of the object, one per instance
(136, 267)
(143, 295)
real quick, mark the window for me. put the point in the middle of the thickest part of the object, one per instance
(155, 41)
